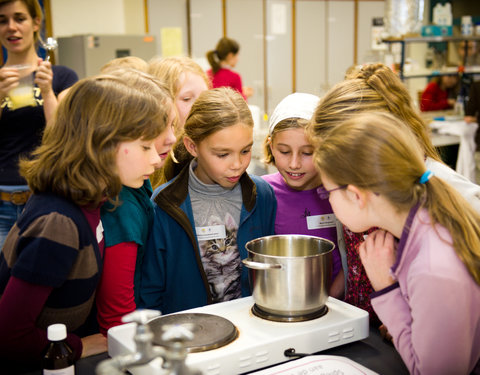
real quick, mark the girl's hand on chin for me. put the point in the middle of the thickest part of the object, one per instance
(378, 255)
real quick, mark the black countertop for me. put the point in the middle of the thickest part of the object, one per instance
(373, 352)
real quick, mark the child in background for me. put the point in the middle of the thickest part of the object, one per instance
(206, 215)
(440, 93)
(132, 62)
(127, 224)
(299, 209)
(52, 259)
(424, 260)
(374, 87)
(222, 60)
(185, 80)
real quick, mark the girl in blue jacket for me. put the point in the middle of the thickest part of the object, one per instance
(208, 212)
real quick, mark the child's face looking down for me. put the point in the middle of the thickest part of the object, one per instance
(166, 139)
(348, 205)
(191, 86)
(294, 159)
(223, 156)
(136, 161)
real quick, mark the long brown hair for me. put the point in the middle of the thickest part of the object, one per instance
(378, 152)
(214, 110)
(77, 156)
(224, 47)
(373, 87)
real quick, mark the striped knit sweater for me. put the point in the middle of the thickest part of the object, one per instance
(52, 245)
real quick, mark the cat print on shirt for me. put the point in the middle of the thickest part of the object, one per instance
(221, 261)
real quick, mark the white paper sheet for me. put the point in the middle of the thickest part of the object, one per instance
(318, 365)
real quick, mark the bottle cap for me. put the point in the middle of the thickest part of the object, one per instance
(56, 332)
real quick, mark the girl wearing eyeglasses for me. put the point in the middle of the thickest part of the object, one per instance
(423, 260)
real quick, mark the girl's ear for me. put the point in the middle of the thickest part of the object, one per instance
(190, 146)
(357, 195)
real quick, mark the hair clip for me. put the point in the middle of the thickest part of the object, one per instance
(426, 176)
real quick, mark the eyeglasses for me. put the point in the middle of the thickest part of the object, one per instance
(324, 194)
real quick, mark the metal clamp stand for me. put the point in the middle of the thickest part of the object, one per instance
(173, 354)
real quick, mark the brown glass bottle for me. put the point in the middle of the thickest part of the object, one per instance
(58, 358)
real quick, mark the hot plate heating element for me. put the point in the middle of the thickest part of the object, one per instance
(260, 342)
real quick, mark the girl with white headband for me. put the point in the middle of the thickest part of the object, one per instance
(424, 260)
(299, 208)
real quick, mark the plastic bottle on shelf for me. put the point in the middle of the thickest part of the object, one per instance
(442, 14)
(58, 358)
(467, 25)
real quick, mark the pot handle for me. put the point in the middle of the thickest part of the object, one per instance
(260, 266)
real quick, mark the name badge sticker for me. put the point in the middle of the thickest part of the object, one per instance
(99, 232)
(212, 232)
(321, 221)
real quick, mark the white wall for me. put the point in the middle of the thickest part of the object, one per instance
(134, 17)
(74, 17)
(324, 37)
(167, 13)
(244, 24)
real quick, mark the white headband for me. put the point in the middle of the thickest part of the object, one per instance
(299, 105)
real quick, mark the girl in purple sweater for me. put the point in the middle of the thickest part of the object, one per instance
(423, 261)
(300, 210)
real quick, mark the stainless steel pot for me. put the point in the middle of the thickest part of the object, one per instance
(290, 274)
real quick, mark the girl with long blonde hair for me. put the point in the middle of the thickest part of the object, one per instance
(424, 260)
(375, 87)
(186, 80)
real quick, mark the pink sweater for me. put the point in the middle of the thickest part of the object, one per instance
(226, 78)
(433, 313)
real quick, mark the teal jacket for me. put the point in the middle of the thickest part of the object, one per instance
(173, 278)
(131, 221)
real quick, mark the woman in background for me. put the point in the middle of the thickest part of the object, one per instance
(21, 128)
(223, 60)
